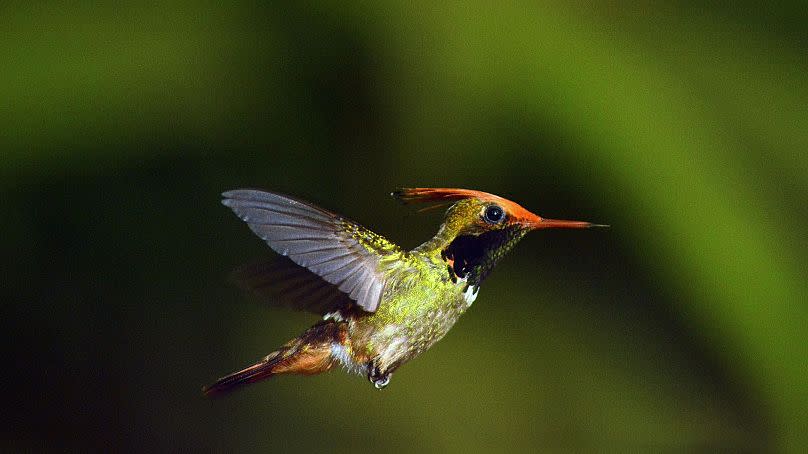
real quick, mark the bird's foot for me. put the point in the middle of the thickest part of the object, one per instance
(378, 378)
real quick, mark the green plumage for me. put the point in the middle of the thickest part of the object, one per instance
(425, 291)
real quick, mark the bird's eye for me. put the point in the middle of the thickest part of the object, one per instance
(493, 214)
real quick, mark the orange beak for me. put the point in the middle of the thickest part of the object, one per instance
(559, 224)
(537, 222)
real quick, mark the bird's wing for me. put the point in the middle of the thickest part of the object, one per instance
(340, 251)
(278, 281)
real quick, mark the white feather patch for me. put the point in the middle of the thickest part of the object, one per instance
(470, 294)
(336, 316)
(341, 354)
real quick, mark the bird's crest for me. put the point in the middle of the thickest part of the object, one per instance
(447, 195)
(417, 195)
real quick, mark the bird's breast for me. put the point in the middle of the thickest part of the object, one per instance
(411, 318)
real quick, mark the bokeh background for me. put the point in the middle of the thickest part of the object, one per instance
(684, 127)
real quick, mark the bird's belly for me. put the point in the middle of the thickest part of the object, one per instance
(398, 332)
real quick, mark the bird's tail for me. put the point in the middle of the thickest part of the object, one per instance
(308, 354)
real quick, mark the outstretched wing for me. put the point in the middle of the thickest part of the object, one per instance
(340, 251)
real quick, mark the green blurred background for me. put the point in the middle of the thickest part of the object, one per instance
(684, 127)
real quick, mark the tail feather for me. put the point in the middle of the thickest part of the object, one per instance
(308, 354)
(252, 374)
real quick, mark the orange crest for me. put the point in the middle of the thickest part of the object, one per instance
(417, 195)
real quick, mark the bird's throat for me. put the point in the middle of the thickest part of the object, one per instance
(472, 257)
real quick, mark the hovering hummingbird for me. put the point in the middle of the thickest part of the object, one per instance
(381, 305)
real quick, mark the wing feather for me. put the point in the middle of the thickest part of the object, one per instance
(278, 281)
(341, 252)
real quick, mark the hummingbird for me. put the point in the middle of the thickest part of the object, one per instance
(381, 305)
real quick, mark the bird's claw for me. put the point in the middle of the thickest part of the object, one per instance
(378, 378)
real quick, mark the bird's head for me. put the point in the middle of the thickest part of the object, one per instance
(479, 228)
(477, 212)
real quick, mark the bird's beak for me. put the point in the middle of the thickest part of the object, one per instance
(538, 222)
